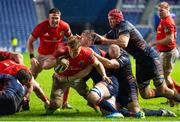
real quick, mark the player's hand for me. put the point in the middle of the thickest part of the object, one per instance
(97, 38)
(65, 62)
(152, 43)
(34, 61)
(107, 79)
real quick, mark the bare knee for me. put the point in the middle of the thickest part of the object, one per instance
(56, 103)
(93, 97)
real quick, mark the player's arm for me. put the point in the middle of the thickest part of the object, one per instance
(17, 57)
(122, 41)
(169, 30)
(39, 92)
(29, 90)
(53, 62)
(169, 38)
(113, 63)
(100, 68)
(11, 55)
(81, 73)
(49, 63)
(30, 46)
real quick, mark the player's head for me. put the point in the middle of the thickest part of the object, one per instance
(114, 51)
(73, 45)
(54, 17)
(163, 9)
(86, 38)
(115, 16)
(24, 76)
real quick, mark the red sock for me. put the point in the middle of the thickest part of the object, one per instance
(65, 97)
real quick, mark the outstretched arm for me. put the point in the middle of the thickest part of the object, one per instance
(122, 41)
(100, 68)
(113, 63)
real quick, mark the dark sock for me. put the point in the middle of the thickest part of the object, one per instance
(125, 112)
(149, 112)
(104, 104)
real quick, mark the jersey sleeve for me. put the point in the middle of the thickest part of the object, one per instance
(38, 30)
(67, 30)
(124, 29)
(4, 55)
(169, 27)
(123, 61)
(90, 56)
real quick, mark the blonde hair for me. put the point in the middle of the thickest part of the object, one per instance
(73, 42)
(164, 5)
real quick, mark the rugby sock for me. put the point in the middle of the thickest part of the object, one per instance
(149, 112)
(65, 97)
(104, 104)
(125, 112)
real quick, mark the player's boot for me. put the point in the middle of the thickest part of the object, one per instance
(48, 109)
(140, 115)
(167, 113)
(67, 106)
(114, 115)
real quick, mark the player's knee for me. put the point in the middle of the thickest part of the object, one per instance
(56, 102)
(94, 95)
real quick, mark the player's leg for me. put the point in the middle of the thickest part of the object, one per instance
(168, 60)
(162, 88)
(98, 96)
(36, 69)
(146, 92)
(159, 112)
(66, 105)
(56, 97)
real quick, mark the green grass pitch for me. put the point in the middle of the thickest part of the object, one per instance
(81, 111)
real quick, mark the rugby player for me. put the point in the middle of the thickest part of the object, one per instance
(119, 65)
(11, 94)
(23, 74)
(166, 42)
(148, 65)
(51, 33)
(80, 61)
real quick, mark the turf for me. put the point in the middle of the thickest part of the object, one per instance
(81, 111)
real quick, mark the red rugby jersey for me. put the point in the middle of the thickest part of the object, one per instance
(50, 38)
(78, 63)
(166, 27)
(4, 55)
(11, 67)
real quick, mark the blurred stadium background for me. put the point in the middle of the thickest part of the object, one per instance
(19, 17)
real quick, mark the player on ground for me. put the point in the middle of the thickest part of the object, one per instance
(81, 61)
(23, 74)
(166, 42)
(148, 65)
(11, 94)
(119, 65)
(51, 33)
